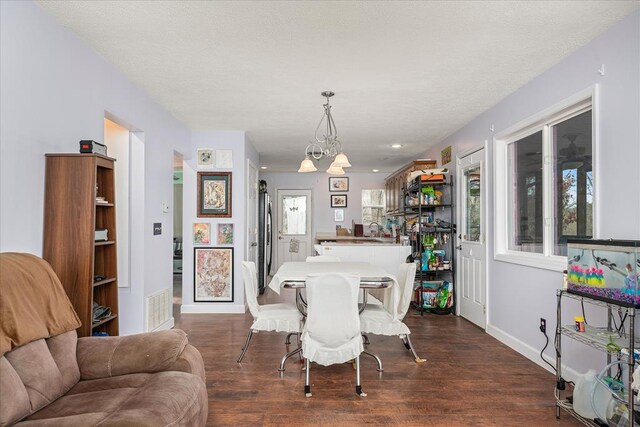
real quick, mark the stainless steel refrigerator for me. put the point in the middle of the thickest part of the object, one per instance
(265, 236)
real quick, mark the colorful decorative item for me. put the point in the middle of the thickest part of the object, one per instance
(225, 234)
(445, 155)
(213, 275)
(201, 233)
(338, 200)
(214, 194)
(338, 183)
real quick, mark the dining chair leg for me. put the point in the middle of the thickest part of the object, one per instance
(307, 382)
(378, 361)
(286, 356)
(246, 345)
(365, 339)
(288, 340)
(418, 359)
(359, 391)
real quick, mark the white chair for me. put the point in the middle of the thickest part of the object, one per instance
(323, 258)
(282, 317)
(387, 319)
(332, 330)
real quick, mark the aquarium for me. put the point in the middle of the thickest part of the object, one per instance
(608, 270)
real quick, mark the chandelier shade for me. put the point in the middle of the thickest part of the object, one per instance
(326, 146)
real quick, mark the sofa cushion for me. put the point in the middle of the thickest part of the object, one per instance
(159, 399)
(14, 401)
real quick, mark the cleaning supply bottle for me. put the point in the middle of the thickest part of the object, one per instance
(583, 393)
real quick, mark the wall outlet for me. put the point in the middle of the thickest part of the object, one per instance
(543, 325)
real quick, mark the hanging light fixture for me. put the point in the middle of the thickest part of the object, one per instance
(326, 146)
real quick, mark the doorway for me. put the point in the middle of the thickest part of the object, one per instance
(294, 226)
(252, 212)
(177, 232)
(471, 267)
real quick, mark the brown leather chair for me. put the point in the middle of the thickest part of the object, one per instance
(49, 376)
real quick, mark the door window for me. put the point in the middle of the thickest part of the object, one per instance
(294, 215)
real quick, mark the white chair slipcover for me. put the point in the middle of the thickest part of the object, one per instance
(323, 258)
(387, 319)
(283, 317)
(332, 329)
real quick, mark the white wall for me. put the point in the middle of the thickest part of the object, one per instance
(221, 140)
(519, 295)
(318, 182)
(55, 91)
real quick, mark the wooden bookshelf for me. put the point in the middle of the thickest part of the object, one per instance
(71, 217)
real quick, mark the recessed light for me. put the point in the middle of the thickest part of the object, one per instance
(396, 146)
(263, 167)
(375, 170)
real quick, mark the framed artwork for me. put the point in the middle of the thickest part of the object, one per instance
(213, 275)
(201, 233)
(338, 200)
(338, 215)
(214, 194)
(206, 158)
(445, 154)
(224, 159)
(225, 234)
(338, 183)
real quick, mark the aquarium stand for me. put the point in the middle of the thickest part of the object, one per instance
(596, 338)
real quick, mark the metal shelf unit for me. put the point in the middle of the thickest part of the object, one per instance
(598, 338)
(420, 212)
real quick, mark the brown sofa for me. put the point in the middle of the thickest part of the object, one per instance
(152, 379)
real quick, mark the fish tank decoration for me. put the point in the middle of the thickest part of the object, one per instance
(607, 270)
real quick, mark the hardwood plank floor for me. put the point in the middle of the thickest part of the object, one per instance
(469, 379)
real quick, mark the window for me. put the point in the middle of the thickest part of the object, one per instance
(544, 184)
(373, 207)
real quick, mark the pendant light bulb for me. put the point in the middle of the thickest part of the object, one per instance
(342, 161)
(307, 166)
(335, 170)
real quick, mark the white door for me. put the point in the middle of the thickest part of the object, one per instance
(294, 226)
(471, 260)
(252, 212)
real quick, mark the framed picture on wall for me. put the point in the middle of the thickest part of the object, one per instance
(338, 183)
(338, 215)
(201, 233)
(206, 158)
(213, 274)
(214, 194)
(225, 234)
(338, 200)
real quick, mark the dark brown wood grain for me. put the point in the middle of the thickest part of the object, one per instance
(70, 219)
(469, 379)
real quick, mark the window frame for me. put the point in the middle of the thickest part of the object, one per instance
(543, 121)
(383, 206)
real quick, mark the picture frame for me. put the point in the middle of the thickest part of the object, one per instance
(338, 215)
(224, 159)
(445, 155)
(338, 183)
(206, 158)
(214, 195)
(338, 200)
(213, 274)
(201, 233)
(225, 234)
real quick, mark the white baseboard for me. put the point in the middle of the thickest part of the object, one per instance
(212, 308)
(531, 353)
(169, 324)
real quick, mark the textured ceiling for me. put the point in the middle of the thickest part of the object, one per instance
(403, 72)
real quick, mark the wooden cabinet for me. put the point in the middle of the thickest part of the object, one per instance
(80, 199)
(395, 183)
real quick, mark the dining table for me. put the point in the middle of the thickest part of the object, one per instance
(293, 274)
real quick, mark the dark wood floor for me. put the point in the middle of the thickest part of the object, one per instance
(469, 379)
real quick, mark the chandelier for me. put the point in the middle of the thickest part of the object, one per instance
(326, 146)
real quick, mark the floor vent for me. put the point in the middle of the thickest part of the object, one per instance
(158, 306)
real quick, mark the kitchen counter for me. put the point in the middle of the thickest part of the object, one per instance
(331, 238)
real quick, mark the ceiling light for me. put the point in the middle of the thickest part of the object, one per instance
(375, 170)
(263, 167)
(396, 146)
(326, 146)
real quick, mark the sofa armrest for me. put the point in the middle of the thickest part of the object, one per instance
(101, 357)
(189, 361)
